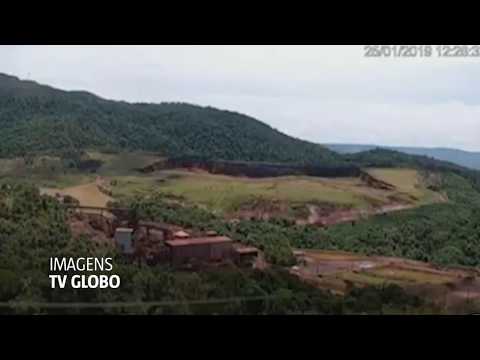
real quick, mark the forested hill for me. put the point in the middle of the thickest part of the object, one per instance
(460, 157)
(384, 158)
(36, 118)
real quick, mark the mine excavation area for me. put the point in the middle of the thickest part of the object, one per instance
(212, 211)
(156, 243)
(340, 271)
(236, 190)
(92, 202)
(303, 199)
(306, 200)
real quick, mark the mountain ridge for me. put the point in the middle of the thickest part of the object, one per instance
(469, 159)
(41, 118)
(38, 118)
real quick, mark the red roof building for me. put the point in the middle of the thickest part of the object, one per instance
(204, 249)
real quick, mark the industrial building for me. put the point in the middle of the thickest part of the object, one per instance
(155, 243)
(245, 255)
(203, 249)
(168, 231)
(124, 240)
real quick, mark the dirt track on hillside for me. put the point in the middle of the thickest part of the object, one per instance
(339, 216)
(87, 195)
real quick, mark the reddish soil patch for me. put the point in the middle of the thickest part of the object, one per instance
(87, 194)
(318, 216)
(263, 210)
(95, 227)
(454, 289)
(322, 215)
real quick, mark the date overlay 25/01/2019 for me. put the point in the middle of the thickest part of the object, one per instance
(419, 51)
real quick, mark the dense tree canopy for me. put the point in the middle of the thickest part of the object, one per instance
(36, 118)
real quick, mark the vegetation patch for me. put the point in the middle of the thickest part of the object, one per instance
(230, 194)
(87, 195)
(411, 275)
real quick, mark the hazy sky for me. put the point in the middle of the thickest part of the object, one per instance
(319, 93)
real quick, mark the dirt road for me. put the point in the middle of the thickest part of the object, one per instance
(339, 216)
(339, 271)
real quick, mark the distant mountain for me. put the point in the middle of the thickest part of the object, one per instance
(459, 157)
(36, 118)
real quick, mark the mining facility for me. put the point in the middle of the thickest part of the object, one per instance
(160, 243)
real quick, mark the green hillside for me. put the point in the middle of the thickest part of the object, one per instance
(382, 158)
(36, 118)
(456, 156)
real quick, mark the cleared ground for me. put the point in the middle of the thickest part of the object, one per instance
(339, 271)
(224, 193)
(88, 194)
(408, 183)
(299, 197)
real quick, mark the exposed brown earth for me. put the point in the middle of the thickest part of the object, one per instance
(317, 215)
(452, 288)
(338, 216)
(383, 197)
(95, 227)
(87, 195)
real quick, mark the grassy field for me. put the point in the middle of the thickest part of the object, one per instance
(43, 172)
(366, 279)
(51, 172)
(122, 163)
(88, 194)
(51, 167)
(217, 192)
(334, 256)
(410, 276)
(224, 193)
(403, 179)
(8, 166)
(53, 176)
(408, 183)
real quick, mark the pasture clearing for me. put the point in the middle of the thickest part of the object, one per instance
(87, 194)
(230, 194)
(408, 183)
(124, 163)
